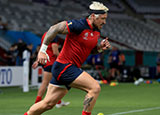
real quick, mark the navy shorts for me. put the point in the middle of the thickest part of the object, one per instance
(48, 68)
(64, 74)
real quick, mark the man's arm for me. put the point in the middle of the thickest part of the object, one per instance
(60, 28)
(55, 49)
(35, 64)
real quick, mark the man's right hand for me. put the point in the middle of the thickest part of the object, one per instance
(43, 57)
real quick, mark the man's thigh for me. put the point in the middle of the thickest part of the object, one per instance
(55, 93)
(84, 82)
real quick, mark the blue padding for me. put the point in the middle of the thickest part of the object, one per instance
(27, 37)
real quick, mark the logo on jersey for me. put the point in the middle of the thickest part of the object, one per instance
(85, 36)
(70, 23)
(91, 34)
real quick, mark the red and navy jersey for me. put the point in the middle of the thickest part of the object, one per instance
(79, 42)
(49, 51)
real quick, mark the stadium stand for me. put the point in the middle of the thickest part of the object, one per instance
(124, 30)
(145, 6)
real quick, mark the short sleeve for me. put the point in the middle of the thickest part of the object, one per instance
(75, 26)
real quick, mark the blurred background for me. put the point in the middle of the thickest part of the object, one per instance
(133, 28)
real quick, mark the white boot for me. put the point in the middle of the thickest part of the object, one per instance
(62, 104)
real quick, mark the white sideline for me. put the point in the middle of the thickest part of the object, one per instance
(134, 111)
(121, 113)
(11, 114)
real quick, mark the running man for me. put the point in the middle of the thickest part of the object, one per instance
(82, 37)
(53, 53)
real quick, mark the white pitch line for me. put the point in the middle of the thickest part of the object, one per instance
(134, 111)
(11, 114)
(122, 113)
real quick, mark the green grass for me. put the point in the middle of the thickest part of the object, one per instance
(121, 98)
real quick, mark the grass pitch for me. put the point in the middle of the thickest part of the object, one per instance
(124, 99)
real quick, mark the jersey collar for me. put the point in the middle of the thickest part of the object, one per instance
(91, 27)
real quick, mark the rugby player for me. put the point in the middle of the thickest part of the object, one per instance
(82, 37)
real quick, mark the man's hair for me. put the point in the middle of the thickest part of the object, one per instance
(97, 8)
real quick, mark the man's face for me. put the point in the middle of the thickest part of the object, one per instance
(100, 20)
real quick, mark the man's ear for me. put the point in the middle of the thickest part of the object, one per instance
(92, 15)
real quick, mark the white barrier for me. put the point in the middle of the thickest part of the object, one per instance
(26, 58)
(19, 75)
(11, 76)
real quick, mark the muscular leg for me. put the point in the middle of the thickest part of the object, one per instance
(54, 94)
(91, 86)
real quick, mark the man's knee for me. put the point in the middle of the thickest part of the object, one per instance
(96, 88)
(49, 105)
(44, 106)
